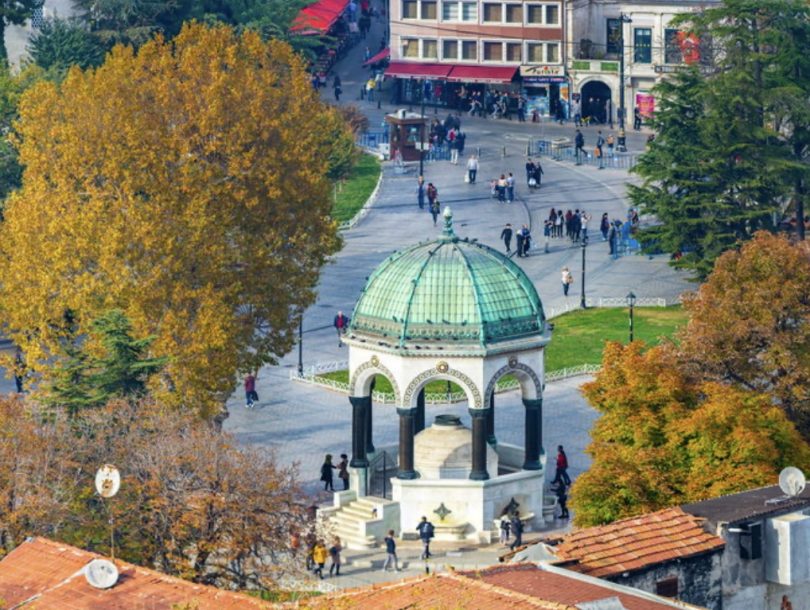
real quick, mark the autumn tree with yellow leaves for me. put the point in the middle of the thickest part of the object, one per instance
(186, 185)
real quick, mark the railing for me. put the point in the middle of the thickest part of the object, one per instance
(566, 152)
(371, 139)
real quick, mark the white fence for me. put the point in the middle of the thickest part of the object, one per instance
(573, 304)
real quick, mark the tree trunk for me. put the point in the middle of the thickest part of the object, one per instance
(3, 52)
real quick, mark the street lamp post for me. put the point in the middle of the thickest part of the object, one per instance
(422, 135)
(621, 145)
(301, 345)
(582, 294)
(631, 301)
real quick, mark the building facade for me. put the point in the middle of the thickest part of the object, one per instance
(607, 38)
(455, 47)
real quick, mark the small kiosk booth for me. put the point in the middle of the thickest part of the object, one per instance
(407, 132)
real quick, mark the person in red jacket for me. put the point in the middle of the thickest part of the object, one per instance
(341, 323)
(251, 397)
(562, 468)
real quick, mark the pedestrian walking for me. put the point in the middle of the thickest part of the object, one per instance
(326, 473)
(562, 500)
(613, 238)
(504, 530)
(461, 139)
(426, 532)
(472, 168)
(336, 84)
(371, 84)
(506, 236)
(435, 209)
(538, 174)
(604, 226)
(432, 193)
(531, 181)
(567, 280)
(517, 530)
(510, 188)
(341, 323)
(501, 189)
(251, 397)
(334, 554)
(519, 239)
(319, 555)
(548, 227)
(579, 146)
(562, 467)
(584, 219)
(636, 118)
(420, 192)
(527, 240)
(610, 142)
(558, 224)
(343, 470)
(391, 550)
(598, 150)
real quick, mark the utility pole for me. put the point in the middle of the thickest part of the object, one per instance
(582, 294)
(621, 145)
(422, 134)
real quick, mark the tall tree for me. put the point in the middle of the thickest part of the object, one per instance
(667, 437)
(14, 12)
(127, 21)
(191, 195)
(62, 43)
(750, 323)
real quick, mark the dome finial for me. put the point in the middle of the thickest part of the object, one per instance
(448, 223)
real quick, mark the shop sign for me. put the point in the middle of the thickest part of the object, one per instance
(541, 71)
(543, 80)
(646, 104)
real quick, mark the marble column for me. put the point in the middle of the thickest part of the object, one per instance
(419, 420)
(491, 420)
(361, 405)
(533, 433)
(479, 444)
(406, 425)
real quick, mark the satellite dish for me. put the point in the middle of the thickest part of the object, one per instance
(108, 480)
(792, 481)
(101, 574)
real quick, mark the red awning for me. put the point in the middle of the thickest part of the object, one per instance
(482, 74)
(319, 16)
(406, 69)
(378, 57)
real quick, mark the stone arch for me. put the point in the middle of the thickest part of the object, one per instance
(530, 384)
(443, 371)
(363, 374)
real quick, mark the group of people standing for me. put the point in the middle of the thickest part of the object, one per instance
(428, 193)
(327, 474)
(318, 554)
(523, 238)
(575, 224)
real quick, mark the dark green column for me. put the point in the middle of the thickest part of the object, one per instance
(479, 444)
(419, 420)
(491, 420)
(369, 439)
(360, 406)
(533, 433)
(406, 424)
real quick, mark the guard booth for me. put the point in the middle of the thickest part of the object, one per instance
(407, 131)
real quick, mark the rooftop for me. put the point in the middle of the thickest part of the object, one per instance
(630, 545)
(51, 575)
(754, 504)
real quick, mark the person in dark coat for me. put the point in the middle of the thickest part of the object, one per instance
(326, 473)
(538, 175)
(527, 240)
(562, 500)
(519, 238)
(516, 526)
(562, 468)
(343, 470)
(337, 87)
(506, 236)
(529, 171)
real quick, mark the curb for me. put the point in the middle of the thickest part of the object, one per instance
(372, 199)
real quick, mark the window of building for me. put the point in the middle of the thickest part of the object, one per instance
(428, 9)
(552, 14)
(672, 47)
(455, 10)
(513, 51)
(493, 12)
(469, 50)
(667, 587)
(614, 36)
(552, 52)
(534, 53)
(430, 49)
(642, 45)
(409, 8)
(410, 47)
(493, 51)
(450, 49)
(543, 14)
(514, 13)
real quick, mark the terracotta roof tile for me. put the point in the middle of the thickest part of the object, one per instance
(52, 572)
(633, 544)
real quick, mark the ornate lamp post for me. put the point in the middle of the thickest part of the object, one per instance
(582, 294)
(631, 301)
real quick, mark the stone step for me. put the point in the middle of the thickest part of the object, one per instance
(372, 501)
(356, 513)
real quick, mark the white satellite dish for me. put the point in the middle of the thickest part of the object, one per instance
(792, 481)
(108, 481)
(101, 574)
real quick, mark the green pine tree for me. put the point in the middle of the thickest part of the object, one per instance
(71, 387)
(62, 43)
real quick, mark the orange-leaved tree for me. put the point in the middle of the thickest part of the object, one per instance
(750, 323)
(667, 437)
(185, 185)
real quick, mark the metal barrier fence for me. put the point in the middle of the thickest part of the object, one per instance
(564, 151)
(372, 139)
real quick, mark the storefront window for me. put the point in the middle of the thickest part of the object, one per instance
(514, 13)
(672, 47)
(428, 9)
(535, 52)
(469, 50)
(410, 47)
(409, 9)
(493, 51)
(450, 49)
(430, 49)
(513, 51)
(642, 45)
(552, 14)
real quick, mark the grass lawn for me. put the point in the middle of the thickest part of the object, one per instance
(353, 192)
(578, 338)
